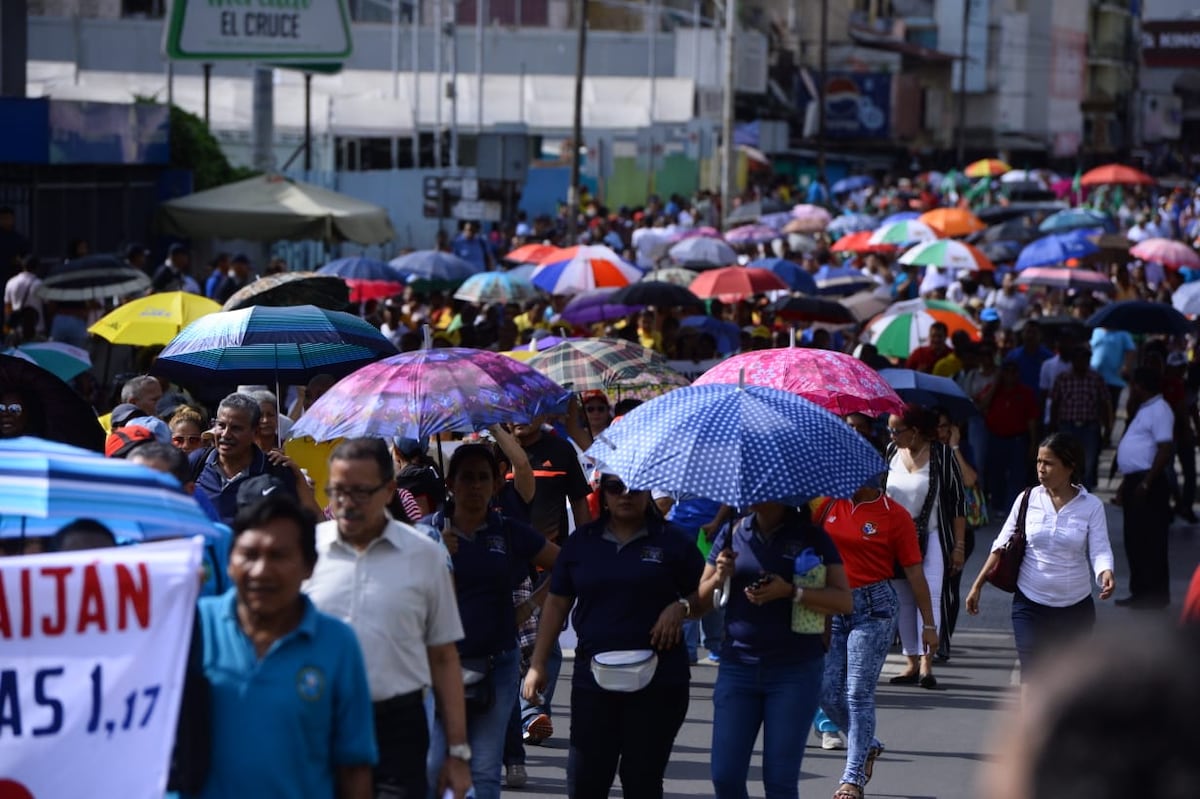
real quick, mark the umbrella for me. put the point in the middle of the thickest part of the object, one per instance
(899, 216)
(675, 275)
(751, 234)
(1072, 218)
(948, 254)
(851, 223)
(1167, 252)
(532, 254)
(45, 485)
(835, 381)
(930, 391)
(486, 288)
(812, 309)
(420, 393)
(592, 363)
(777, 221)
(726, 443)
(845, 286)
(829, 272)
(735, 283)
(92, 277)
(153, 320)
(1141, 316)
(590, 267)
(800, 243)
(367, 278)
(1033, 176)
(1065, 278)
(860, 241)
(905, 326)
(597, 305)
(809, 218)
(866, 304)
(701, 252)
(1115, 174)
(539, 343)
(952, 222)
(645, 382)
(435, 266)
(1186, 299)
(524, 271)
(291, 288)
(64, 361)
(1057, 248)
(852, 184)
(280, 345)
(726, 335)
(1001, 251)
(1020, 229)
(791, 273)
(986, 168)
(658, 293)
(904, 232)
(53, 408)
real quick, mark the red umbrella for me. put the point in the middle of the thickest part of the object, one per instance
(735, 283)
(1115, 173)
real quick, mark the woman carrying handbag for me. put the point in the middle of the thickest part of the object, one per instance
(1066, 543)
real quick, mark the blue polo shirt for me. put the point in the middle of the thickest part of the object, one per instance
(282, 725)
(620, 590)
(488, 565)
(1108, 353)
(222, 493)
(763, 633)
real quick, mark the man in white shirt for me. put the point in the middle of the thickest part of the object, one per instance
(390, 583)
(21, 291)
(1145, 498)
(1008, 302)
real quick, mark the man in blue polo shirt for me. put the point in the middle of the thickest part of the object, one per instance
(291, 711)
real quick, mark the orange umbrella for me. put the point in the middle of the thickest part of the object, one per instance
(952, 222)
(1115, 173)
(531, 253)
(860, 241)
(986, 168)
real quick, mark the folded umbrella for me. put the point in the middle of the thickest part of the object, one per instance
(930, 391)
(52, 408)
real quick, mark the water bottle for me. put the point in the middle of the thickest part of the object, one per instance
(703, 543)
(809, 573)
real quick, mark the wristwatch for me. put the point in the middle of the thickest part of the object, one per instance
(687, 606)
(459, 752)
(798, 595)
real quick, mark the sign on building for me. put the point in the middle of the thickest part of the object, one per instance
(1171, 43)
(858, 106)
(254, 30)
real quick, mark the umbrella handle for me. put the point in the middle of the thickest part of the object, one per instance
(721, 595)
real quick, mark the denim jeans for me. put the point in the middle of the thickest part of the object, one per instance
(1007, 459)
(485, 732)
(531, 710)
(858, 647)
(1039, 627)
(1088, 434)
(778, 698)
(712, 625)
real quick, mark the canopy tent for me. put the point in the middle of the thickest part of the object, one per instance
(272, 207)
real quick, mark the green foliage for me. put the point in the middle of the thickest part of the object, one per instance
(194, 147)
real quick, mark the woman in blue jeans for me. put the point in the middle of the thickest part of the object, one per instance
(872, 532)
(491, 554)
(770, 677)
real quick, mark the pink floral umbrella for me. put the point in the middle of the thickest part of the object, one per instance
(838, 383)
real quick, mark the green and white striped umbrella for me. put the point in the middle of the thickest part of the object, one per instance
(906, 231)
(948, 254)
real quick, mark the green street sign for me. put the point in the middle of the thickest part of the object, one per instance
(277, 31)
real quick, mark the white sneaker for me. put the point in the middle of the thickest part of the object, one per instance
(515, 776)
(832, 740)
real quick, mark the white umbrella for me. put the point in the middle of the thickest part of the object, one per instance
(1186, 299)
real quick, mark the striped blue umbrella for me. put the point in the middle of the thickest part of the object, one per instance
(262, 344)
(44, 485)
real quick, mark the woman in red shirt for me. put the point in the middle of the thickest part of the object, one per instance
(873, 533)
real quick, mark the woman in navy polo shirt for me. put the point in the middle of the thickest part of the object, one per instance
(491, 555)
(632, 580)
(770, 677)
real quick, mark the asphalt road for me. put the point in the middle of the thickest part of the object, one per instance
(936, 740)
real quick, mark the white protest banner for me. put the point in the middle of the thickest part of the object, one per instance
(92, 651)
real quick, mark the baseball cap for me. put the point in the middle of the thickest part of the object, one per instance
(157, 427)
(257, 488)
(594, 394)
(989, 315)
(121, 442)
(410, 446)
(124, 412)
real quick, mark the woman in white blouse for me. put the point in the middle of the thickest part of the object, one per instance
(1066, 537)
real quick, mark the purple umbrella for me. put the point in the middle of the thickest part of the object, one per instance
(593, 306)
(751, 234)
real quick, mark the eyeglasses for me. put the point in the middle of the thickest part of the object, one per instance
(181, 440)
(896, 431)
(355, 495)
(14, 408)
(614, 487)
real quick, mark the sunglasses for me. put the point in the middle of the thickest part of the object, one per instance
(898, 431)
(15, 408)
(614, 487)
(179, 440)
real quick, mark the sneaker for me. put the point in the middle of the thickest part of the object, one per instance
(515, 776)
(713, 657)
(539, 728)
(832, 740)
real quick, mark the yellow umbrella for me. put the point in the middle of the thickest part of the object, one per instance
(986, 168)
(152, 320)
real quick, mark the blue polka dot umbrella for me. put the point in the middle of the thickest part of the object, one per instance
(738, 445)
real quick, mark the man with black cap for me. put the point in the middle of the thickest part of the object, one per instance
(173, 274)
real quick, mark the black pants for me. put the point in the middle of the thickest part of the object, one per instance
(1146, 521)
(1037, 627)
(402, 735)
(1186, 453)
(635, 730)
(954, 601)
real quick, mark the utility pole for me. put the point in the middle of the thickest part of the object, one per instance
(960, 129)
(395, 142)
(577, 123)
(452, 26)
(416, 83)
(823, 68)
(652, 69)
(728, 161)
(439, 94)
(480, 11)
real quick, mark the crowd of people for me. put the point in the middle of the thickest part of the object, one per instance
(401, 636)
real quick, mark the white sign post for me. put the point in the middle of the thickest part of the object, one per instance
(275, 31)
(94, 645)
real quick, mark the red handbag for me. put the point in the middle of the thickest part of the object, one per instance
(1007, 568)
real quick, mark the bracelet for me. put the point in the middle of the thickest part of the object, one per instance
(955, 448)
(798, 595)
(687, 606)
(929, 627)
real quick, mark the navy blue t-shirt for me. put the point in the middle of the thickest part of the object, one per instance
(487, 568)
(763, 633)
(620, 591)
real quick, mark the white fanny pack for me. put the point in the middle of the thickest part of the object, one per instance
(624, 670)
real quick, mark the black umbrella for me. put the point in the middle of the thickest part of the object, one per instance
(1141, 316)
(812, 309)
(292, 288)
(52, 408)
(92, 277)
(1020, 230)
(999, 252)
(658, 293)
